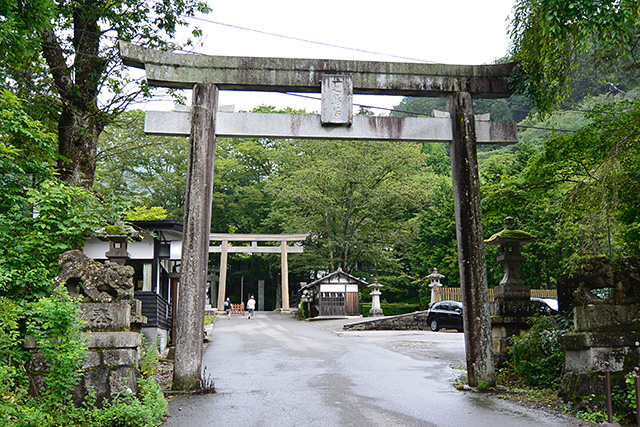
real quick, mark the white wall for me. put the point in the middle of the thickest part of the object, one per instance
(96, 248)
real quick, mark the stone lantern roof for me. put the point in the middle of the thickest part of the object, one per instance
(435, 276)
(509, 236)
(375, 285)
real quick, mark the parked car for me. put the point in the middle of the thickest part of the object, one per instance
(546, 305)
(445, 315)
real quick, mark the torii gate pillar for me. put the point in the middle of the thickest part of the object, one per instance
(469, 233)
(195, 245)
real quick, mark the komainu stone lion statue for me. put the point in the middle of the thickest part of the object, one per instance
(98, 282)
(621, 277)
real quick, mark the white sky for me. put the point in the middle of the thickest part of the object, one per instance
(444, 31)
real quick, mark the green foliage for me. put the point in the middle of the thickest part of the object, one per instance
(40, 217)
(410, 107)
(549, 36)
(27, 146)
(55, 324)
(50, 219)
(624, 399)
(143, 170)
(304, 310)
(436, 244)
(594, 417)
(148, 359)
(144, 213)
(535, 357)
(147, 409)
(594, 171)
(358, 198)
(12, 354)
(65, 56)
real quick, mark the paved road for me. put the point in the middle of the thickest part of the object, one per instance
(276, 371)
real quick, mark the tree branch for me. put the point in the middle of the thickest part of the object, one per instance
(52, 52)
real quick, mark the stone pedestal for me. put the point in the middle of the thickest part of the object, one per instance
(110, 367)
(604, 333)
(508, 318)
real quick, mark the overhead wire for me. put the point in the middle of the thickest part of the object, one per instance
(299, 39)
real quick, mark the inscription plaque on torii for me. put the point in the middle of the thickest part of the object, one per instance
(337, 80)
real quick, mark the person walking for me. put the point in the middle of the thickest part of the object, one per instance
(251, 305)
(227, 308)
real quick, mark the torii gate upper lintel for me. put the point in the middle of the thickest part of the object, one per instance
(183, 71)
(459, 83)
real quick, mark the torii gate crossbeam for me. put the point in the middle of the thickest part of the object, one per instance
(207, 74)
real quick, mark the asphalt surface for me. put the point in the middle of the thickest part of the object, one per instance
(276, 371)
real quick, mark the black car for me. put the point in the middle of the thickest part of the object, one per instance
(445, 315)
(546, 306)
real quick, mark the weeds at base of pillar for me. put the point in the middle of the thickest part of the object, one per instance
(205, 384)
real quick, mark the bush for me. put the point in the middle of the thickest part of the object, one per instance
(390, 309)
(147, 409)
(148, 359)
(56, 325)
(12, 355)
(535, 356)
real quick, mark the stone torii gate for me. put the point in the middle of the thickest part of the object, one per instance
(337, 80)
(283, 249)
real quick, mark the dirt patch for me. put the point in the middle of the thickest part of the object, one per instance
(547, 401)
(164, 374)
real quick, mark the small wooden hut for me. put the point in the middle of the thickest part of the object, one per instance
(336, 294)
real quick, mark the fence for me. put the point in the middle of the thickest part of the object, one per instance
(455, 294)
(237, 309)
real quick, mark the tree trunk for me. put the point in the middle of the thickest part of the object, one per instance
(78, 134)
(81, 121)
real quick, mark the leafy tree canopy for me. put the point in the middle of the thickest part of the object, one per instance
(552, 38)
(356, 197)
(40, 216)
(63, 56)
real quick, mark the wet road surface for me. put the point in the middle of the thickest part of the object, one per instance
(276, 371)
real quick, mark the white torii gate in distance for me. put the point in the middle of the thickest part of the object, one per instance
(284, 249)
(337, 80)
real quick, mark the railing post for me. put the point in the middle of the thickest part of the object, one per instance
(636, 377)
(607, 384)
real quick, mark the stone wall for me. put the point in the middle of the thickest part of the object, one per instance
(409, 321)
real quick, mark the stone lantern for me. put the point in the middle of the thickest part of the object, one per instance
(512, 308)
(376, 310)
(118, 236)
(510, 242)
(434, 284)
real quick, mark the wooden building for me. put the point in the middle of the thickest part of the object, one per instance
(336, 294)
